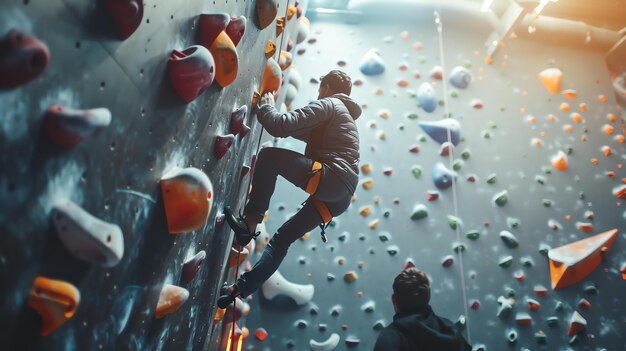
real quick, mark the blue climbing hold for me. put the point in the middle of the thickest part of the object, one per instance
(371, 63)
(438, 130)
(442, 176)
(426, 97)
(460, 77)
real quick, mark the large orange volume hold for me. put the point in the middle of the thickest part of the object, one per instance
(272, 77)
(188, 197)
(571, 263)
(54, 300)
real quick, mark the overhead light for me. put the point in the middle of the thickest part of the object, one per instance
(486, 5)
(540, 7)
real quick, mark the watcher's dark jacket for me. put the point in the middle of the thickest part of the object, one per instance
(328, 127)
(421, 331)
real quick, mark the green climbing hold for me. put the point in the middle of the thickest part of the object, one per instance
(379, 325)
(506, 262)
(387, 213)
(591, 288)
(512, 222)
(368, 307)
(491, 179)
(486, 134)
(546, 170)
(552, 321)
(458, 247)
(546, 202)
(416, 171)
(509, 291)
(466, 154)
(492, 125)
(509, 239)
(393, 250)
(384, 236)
(412, 116)
(454, 222)
(544, 248)
(472, 234)
(422, 138)
(457, 164)
(454, 94)
(332, 223)
(540, 337)
(540, 179)
(419, 212)
(501, 198)
(343, 236)
(527, 261)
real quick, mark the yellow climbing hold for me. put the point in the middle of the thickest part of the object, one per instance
(368, 184)
(365, 211)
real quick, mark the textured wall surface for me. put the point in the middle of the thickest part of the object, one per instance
(499, 137)
(115, 174)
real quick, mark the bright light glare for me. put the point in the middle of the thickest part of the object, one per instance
(540, 7)
(486, 5)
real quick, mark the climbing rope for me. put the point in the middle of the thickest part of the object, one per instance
(451, 160)
(232, 335)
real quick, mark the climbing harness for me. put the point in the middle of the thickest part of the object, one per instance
(451, 161)
(320, 206)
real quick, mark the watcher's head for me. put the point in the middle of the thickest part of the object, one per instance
(411, 290)
(335, 82)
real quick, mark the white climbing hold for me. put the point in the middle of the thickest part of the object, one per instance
(327, 345)
(278, 285)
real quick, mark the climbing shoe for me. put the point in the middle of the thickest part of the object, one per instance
(228, 293)
(239, 226)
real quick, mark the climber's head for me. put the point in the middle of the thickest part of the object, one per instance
(335, 82)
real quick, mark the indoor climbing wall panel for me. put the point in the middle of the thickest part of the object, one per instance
(116, 164)
(534, 172)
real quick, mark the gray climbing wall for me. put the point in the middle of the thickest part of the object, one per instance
(499, 137)
(114, 174)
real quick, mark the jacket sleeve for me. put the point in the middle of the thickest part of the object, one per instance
(294, 123)
(389, 339)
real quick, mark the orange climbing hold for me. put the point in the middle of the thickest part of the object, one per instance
(365, 211)
(606, 151)
(577, 324)
(291, 10)
(571, 263)
(620, 191)
(270, 49)
(611, 117)
(170, 300)
(559, 161)
(594, 161)
(551, 79)
(272, 77)
(226, 60)
(582, 107)
(552, 117)
(585, 227)
(55, 301)
(187, 196)
(368, 184)
(261, 334)
(576, 117)
(568, 128)
(236, 257)
(280, 25)
(284, 60)
(564, 107)
(608, 129)
(602, 98)
(620, 138)
(569, 93)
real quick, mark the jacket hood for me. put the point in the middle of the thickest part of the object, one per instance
(429, 330)
(353, 107)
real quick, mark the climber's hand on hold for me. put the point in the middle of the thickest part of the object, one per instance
(267, 99)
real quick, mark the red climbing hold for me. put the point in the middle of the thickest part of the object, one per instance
(236, 29)
(191, 71)
(266, 11)
(244, 170)
(244, 130)
(68, 127)
(22, 58)
(260, 334)
(192, 266)
(237, 117)
(222, 144)
(127, 15)
(210, 26)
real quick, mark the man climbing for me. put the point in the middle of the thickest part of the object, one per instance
(328, 171)
(415, 326)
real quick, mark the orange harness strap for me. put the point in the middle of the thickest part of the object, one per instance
(320, 206)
